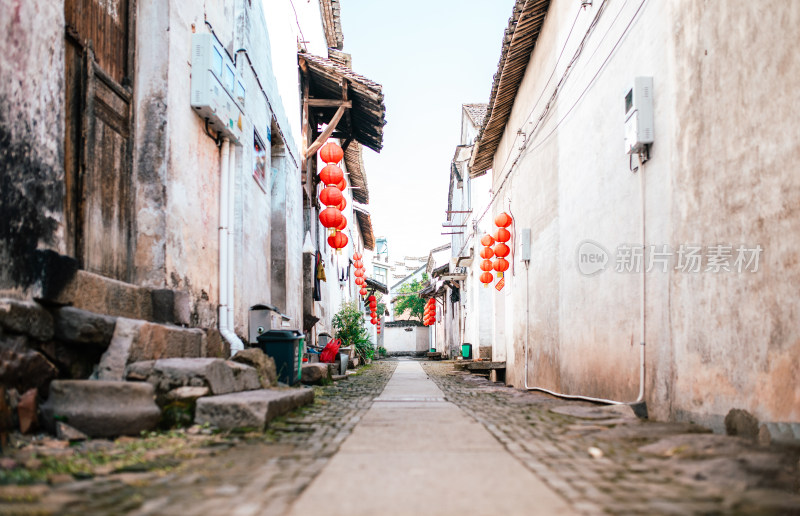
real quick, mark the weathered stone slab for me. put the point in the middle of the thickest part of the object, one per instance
(157, 341)
(485, 366)
(262, 363)
(22, 367)
(26, 317)
(220, 376)
(249, 409)
(95, 293)
(315, 374)
(83, 327)
(113, 362)
(102, 408)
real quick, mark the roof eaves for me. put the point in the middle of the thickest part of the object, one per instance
(332, 23)
(519, 41)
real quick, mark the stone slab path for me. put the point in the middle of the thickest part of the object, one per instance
(413, 452)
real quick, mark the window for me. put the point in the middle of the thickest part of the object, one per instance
(227, 78)
(260, 163)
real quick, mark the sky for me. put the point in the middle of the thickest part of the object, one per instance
(430, 57)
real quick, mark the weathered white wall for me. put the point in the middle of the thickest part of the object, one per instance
(31, 137)
(720, 172)
(399, 340)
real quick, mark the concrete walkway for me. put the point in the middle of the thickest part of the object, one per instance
(415, 453)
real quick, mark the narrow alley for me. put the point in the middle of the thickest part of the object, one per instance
(404, 437)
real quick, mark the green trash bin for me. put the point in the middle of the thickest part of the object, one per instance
(286, 348)
(466, 351)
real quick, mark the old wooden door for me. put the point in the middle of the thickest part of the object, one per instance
(98, 145)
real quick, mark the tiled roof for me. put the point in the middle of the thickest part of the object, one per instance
(332, 23)
(365, 224)
(476, 113)
(519, 41)
(368, 114)
(354, 162)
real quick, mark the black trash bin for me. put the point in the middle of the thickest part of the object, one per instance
(286, 348)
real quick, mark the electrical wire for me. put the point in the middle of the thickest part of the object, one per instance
(550, 103)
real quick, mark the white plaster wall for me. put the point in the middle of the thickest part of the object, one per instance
(720, 172)
(399, 340)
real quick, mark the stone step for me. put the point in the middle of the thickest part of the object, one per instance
(102, 408)
(485, 366)
(218, 375)
(95, 293)
(250, 409)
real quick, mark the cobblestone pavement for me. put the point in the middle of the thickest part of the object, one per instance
(225, 475)
(623, 465)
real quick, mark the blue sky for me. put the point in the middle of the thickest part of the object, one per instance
(431, 57)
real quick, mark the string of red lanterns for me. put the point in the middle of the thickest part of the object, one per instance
(429, 316)
(486, 265)
(501, 250)
(332, 177)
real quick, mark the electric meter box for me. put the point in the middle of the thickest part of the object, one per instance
(639, 115)
(215, 86)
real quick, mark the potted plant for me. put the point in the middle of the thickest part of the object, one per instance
(348, 325)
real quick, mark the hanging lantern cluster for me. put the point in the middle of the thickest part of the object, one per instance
(373, 309)
(332, 196)
(486, 265)
(379, 326)
(429, 317)
(360, 274)
(501, 250)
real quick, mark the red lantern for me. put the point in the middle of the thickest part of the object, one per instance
(487, 240)
(356, 257)
(374, 321)
(503, 220)
(331, 196)
(359, 273)
(363, 291)
(358, 264)
(359, 280)
(371, 298)
(486, 265)
(343, 225)
(500, 265)
(330, 217)
(338, 240)
(501, 250)
(502, 235)
(487, 253)
(343, 204)
(331, 153)
(331, 175)
(486, 278)
(373, 304)
(341, 185)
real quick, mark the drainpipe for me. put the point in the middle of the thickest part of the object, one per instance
(225, 316)
(638, 406)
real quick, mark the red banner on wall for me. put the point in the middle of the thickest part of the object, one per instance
(500, 284)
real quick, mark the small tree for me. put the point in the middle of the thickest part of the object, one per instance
(409, 301)
(348, 325)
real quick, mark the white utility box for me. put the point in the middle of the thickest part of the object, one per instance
(218, 92)
(639, 115)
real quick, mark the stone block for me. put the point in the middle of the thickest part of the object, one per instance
(68, 433)
(315, 374)
(220, 376)
(263, 364)
(95, 293)
(182, 308)
(101, 408)
(742, 423)
(83, 327)
(26, 317)
(250, 409)
(28, 412)
(163, 301)
(73, 362)
(24, 368)
(156, 341)
(115, 359)
(215, 345)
